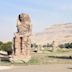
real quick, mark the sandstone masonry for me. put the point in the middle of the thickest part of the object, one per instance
(22, 39)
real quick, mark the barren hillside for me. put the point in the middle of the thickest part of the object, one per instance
(59, 33)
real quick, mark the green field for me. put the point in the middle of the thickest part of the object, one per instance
(60, 56)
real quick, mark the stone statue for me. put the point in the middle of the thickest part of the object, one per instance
(23, 24)
(22, 38)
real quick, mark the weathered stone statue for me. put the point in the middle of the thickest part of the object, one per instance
(22, 38)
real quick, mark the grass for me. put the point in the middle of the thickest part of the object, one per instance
(60, 56)
(33, 60)
(5, 63)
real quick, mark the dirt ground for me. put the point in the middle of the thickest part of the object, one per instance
(41, 68)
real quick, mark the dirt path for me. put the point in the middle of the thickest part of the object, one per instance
(5, 67)
(41, 68)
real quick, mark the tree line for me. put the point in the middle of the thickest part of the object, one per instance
(66, 45)
(6, 47)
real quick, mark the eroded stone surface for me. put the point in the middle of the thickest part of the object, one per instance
(22, 38)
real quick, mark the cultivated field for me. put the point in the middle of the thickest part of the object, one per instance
(60, 56)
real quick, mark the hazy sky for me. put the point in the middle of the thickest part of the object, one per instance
(42, 12)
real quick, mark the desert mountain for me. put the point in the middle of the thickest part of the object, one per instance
(60, 33)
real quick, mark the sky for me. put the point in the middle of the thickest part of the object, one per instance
(43, 13)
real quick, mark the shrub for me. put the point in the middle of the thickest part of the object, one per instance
(34, 45)
(6, 47)
(66, 45)
(47, 45)
(1, 43)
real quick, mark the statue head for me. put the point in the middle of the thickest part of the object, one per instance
(24, 17)
(23, 20)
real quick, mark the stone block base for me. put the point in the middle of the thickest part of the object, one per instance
(17, 59)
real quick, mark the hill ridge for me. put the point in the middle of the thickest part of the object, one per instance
(60, 33)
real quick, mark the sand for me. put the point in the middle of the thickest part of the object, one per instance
(5, 67)
(40, 68)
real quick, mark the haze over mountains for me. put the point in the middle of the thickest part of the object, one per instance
(60, 33)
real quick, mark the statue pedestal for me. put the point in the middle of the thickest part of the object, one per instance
(20, 59)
